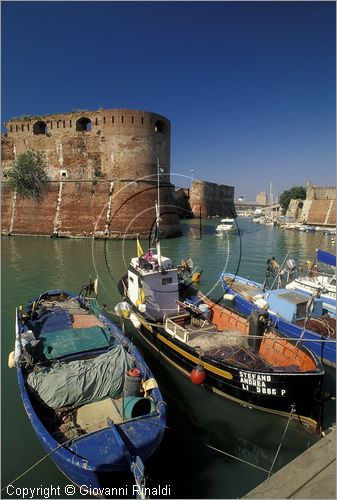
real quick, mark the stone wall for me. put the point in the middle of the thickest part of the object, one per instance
(90, 209)
(86, 153)
(208, 199)
(319, 207)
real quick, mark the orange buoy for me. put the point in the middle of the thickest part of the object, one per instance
(134, 372)
(198, 375)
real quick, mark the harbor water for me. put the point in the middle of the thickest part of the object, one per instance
(213, 447)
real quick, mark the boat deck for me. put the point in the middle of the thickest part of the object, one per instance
(243, 288)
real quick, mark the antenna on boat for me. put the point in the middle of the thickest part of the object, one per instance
(157, 232)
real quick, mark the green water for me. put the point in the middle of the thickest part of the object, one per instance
(201, 426)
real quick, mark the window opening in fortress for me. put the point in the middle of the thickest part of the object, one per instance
(142, 121)
(22, 127)
(83, 125)
(122, 119)
(131, 119)
(64, 124)
(70, 123)
(103, 119)
(113, 119)
(159, 127)
(40, 127)
(10, 128)
(28, 127)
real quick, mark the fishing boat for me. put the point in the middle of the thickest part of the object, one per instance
(91, 399)
(317, 280)
(226, 225)
(246, 361)
(293, 313)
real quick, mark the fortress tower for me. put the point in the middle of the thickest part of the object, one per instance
(102, 167)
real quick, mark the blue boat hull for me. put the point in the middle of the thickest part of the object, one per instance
(325, 350)
(92, 459)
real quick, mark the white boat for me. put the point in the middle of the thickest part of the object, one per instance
(226, 225)
(317, 281)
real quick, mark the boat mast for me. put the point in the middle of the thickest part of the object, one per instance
(157, 232)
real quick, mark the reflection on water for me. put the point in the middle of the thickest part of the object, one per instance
(210, 441)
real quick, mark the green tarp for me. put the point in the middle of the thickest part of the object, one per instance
(73, 340)
(82, 382)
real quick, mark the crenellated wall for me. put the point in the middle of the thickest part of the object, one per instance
(86, 153)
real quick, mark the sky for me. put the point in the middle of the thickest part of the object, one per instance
(249, 87)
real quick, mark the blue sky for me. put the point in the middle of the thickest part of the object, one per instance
(249, 87)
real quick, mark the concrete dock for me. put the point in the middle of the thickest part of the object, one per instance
(310, 475)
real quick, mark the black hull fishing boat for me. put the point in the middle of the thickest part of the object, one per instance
(246, 360)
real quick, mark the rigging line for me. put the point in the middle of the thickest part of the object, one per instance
(282, 439)
(276, 339)
(37, 463)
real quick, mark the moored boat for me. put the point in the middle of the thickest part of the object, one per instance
(316, 280)
(226, 225)
(246, 361)
(293, 313)
(91, 399)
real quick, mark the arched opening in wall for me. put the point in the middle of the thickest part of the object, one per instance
(299, 210)
(83, 125)
(160, 127)
(40, 127)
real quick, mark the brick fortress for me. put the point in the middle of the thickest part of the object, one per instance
(102, 167)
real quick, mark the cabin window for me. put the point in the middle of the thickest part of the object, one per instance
(166, 281)
(83, 124)
(160, 127)
(40, 127)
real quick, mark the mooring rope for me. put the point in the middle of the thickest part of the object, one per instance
(222, 452)
(282, 439)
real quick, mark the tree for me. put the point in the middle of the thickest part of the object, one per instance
(294, 193)
(27, 175)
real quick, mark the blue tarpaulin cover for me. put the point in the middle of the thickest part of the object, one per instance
(326, 257)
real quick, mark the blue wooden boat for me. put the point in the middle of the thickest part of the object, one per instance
(288, 311)
(91, 399)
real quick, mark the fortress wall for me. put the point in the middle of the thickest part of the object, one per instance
(321, 193)
(318, 211)
(83, 208)
(121, 144)
(209, 199)
(88, 209)
(35, 217)
(6, 208)
(115, 145)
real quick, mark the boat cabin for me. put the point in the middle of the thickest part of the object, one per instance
(291, 305)
(153, 287)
